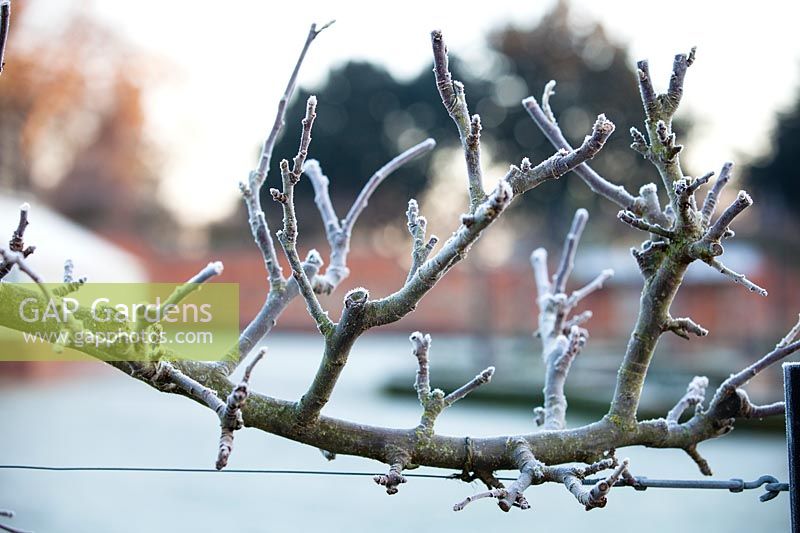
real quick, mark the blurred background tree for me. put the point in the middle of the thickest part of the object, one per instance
(774, 179)
(73, 127)
(366, 117)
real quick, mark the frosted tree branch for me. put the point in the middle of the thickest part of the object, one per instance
(469, 128)
(678, 235)
(558, 362)
(338, 233)
(17, 242)
(280, 117)
(741, 378)
(695, 394)
(482, 378)
(251, 191)
(699, 460)
(5, 21)
(561, 343)
(393, 478)
(12, 258)
(710, 203)
(682, 327)
(183, 291)
(594, 285)
(71, 284)
(281, 291)
(288, 235)
(699, 182)
(167, 376)
(546, 122)
(715, 232)
(231, 415)
(322, 197)
(675, 92)
(421, 344)
(433, 402)
(336, 271)
(763, 411)
(339, 339)
(420, 250)
(583, 317)
(741, 279)
(789, 337)
(596, 496)
(535, 472)
(380, 175)
(531, 471)
(639, 223)
(568, 252)
(664, 263)
(526, 177)
(4, 513)
(397, 305)
(540, 273)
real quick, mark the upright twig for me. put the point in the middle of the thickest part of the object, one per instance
(568, 252)
(710, 203)
(420, 250)
(288, 235)
(469, 128)
(562, 339)
(695, 394)
(435, 401)
(231, 416)
(336, 270)
(251, 191)
(70, 284)
(5, 22)
(281, 291)
(181, 292)
(339, 233)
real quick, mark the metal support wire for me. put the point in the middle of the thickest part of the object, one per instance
(770, 483)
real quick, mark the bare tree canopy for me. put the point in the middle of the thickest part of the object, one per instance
(676, 234)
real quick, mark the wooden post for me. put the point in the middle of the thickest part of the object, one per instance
(791, 384)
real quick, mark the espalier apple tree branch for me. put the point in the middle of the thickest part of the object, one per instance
(676, 235)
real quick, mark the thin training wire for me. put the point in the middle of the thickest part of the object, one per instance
(210, 470)
(772, 485)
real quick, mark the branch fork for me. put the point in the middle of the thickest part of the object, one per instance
(16, 244)
(394, 477)
(534, 472)
(435, 401)
(231, 415)
(562, 338)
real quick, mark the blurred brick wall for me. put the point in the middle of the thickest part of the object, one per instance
(502, 301)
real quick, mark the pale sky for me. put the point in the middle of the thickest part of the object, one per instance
(231, 61)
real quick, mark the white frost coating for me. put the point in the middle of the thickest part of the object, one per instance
(314, 257)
